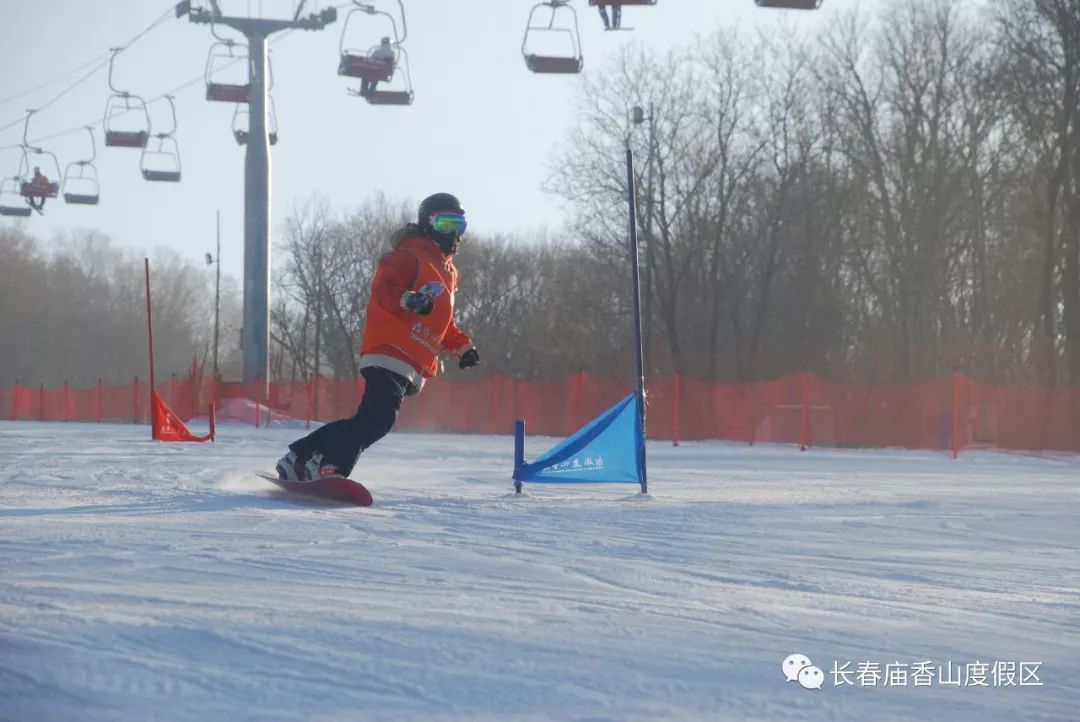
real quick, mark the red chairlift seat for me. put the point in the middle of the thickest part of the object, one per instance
(15, 211)
(169, 176)
(226, 93)
(81, 199)
(390, 97)
(553, 64)
(789, 4)
(126, 138)
(30, 189)
(366, 68)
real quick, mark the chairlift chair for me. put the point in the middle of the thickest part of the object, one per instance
(221, 56)
(34, 157)
(120, 103)
(789, 4)
(167, 148)
(393, 96)
(242, 121)
(81, 185)
(9, 193)
(355, 63)
(553, 64)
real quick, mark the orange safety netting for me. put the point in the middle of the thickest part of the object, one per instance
(951, 413)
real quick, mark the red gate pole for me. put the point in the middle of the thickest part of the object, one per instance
(493, 427)
(955, 413)
(804, 418)
(149, 323)
(150, 341)
(307, 389)
(676, 410)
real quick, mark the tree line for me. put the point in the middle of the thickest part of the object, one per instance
(74, 310)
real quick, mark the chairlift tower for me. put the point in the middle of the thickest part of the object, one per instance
(255, 339)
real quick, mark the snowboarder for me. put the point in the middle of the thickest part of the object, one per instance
(409, 323)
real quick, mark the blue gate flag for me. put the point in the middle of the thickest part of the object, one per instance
(604, 450)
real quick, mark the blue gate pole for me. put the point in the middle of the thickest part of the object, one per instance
(631, 199)
(519, 452)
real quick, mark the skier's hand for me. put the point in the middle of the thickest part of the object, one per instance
(420, 303)
(469, 359)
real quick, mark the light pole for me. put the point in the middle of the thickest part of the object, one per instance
(631, 202)
(217, 291)
(639, 117)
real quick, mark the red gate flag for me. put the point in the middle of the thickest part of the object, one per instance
(167, 426)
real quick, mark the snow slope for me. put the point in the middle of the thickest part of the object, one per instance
(146, 581)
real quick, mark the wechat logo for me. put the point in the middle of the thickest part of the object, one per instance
(799, 668)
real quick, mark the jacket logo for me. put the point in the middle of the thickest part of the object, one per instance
(425, 337)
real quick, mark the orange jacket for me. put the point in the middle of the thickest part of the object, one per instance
(389, 329)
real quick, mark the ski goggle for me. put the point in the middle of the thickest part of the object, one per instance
(446, 222)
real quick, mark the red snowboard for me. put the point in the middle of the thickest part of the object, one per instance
(337, 488)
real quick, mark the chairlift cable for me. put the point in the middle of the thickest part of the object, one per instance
(54, 81)
(94, 70)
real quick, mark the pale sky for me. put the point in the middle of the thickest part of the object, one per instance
(482, 126)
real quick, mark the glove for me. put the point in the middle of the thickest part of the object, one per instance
(420, 303)
(469, 359)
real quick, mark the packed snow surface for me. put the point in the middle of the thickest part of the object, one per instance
(149, 581)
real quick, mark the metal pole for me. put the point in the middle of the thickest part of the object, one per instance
(635, 272)
(257, 222)
(217, 295)
(255, 335)
(318, 317)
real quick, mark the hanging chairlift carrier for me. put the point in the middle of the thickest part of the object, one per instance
(81, 185)
(222, 56)
(360, 63)
(393, 96)
(34, 157)
(120, 103)
(167, 148)
(789, 4)
(242, 122)
(547, 63)
(9, 192)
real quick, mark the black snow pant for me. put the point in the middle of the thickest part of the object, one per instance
(341, 442)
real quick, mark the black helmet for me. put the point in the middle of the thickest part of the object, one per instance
(433, 204)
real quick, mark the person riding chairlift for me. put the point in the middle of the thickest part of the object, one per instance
(384, 52)
(39, 181)
(615, 22)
